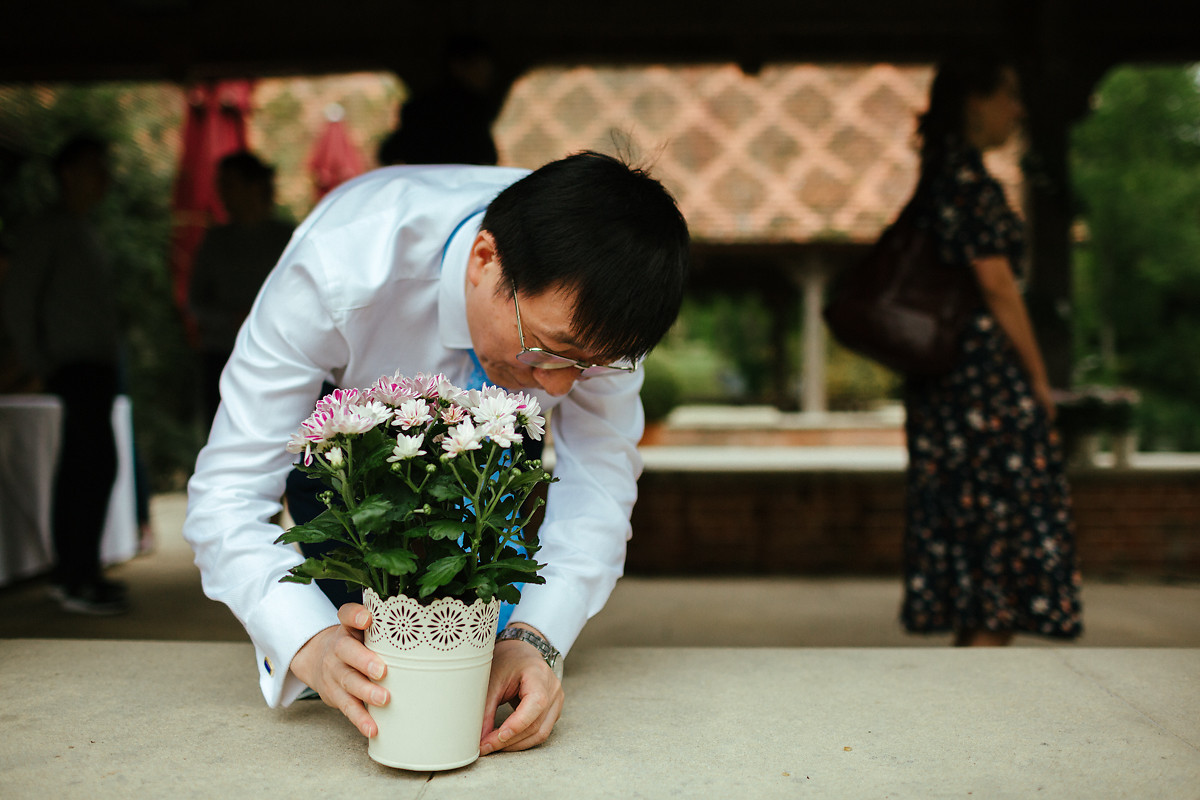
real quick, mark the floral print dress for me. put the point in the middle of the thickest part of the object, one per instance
(989, 541)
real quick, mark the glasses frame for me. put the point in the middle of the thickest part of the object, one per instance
(541, 358)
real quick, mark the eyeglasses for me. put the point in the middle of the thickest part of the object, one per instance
(541, 358)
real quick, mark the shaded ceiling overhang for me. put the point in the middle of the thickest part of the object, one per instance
(193, 39)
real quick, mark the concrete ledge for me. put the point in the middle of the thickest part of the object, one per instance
(156, 719)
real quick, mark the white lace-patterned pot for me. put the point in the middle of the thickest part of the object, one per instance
(438, 660)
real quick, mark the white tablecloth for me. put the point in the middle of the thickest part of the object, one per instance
(30, 438)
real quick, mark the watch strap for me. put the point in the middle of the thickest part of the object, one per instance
(549, 653)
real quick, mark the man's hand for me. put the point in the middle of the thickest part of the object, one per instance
(520, 673)
(335, 663)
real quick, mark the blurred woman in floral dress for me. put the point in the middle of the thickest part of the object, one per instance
(989, 542)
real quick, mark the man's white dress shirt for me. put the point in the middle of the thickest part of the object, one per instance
(371, 283)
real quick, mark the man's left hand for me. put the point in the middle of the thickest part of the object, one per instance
(520, 673)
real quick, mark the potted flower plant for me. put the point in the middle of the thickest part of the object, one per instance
(426, 485)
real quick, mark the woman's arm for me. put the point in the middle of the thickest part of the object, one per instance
(1003, 299)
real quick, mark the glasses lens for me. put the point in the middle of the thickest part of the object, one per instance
(540, 359)
(600, 370)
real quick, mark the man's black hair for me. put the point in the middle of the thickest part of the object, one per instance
(608, 232)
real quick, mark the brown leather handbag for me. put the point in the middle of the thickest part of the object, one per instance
(901, 306)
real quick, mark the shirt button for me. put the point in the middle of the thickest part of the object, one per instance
(267, 665)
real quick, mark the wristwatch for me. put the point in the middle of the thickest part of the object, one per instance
(545, 648)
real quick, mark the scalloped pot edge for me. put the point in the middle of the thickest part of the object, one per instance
(445, 628)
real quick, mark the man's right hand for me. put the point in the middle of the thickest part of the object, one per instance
(335, 663)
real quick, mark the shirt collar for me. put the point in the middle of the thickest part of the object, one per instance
(453, 330)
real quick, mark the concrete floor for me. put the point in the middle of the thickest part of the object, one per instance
(168, 604)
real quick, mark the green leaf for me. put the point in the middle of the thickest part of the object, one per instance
(530, 476)
(372, 515)
(440, 573)
(509, 594)
(325, 527)
(394, 562)
(518, 564)
(447, 529)
(444, 487)
(325, 567)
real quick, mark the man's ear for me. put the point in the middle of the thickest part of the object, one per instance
(483, 258)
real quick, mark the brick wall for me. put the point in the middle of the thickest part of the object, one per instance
(1144, 523)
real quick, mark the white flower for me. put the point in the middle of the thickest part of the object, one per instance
(376, 410)
(412, 413)
(452, 415)
(504, 434)
(334, 457)
(461, 438)
(407, 447)
(495, 408)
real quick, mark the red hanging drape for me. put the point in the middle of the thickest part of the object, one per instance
(214, 127)
(333, 159)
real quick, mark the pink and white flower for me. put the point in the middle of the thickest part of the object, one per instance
(392, 391)
(446, 391)
(529, 415)
(412, 413)
(425, 386)
(452, 415)
(338, 398)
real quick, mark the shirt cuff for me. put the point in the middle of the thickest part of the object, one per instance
(559, 618)
(283, 623)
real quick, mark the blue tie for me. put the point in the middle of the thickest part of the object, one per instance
(476, 381)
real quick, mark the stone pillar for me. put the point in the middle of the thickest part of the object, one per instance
(812, 368)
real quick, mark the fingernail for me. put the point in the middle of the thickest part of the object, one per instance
(485, 749)
(505, 736)
(378, 697)
(377, 671)
(361, 619)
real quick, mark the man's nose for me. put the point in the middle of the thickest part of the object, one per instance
(556, 381)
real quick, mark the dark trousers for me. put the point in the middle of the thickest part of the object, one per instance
(212, 364)
(303, 506)
(87, 468)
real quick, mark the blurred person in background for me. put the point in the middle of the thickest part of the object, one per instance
(989, 543)
(60, 305)
(231, 264)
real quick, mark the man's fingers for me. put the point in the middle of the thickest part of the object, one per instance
(528, 726)
(538, 731)
(354, 615)
(353, 653)
(337, 695)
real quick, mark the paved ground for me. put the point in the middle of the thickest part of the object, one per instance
(676, 612)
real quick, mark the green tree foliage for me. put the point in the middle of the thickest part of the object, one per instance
(1136, 168)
